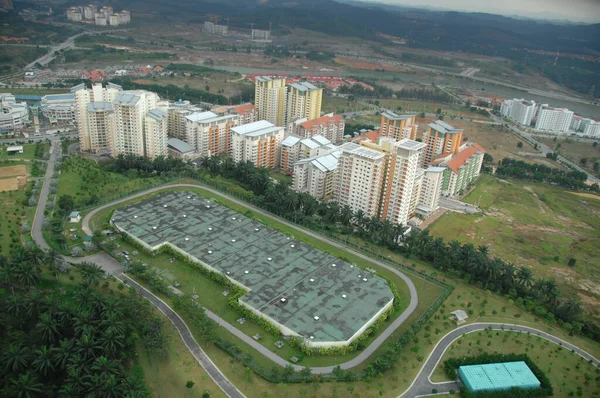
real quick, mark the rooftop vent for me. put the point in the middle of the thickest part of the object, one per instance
(207, 206)
(210, 228)
(316, 318)
(359, 276)
(134, 216)
(292, 246)
(311, 337)
(233, 240)
(165, 206)
(344, 296)
(352, 266)
(228, 273)
(187, 238)
(233, 218)
(189, 197)
(282, 300)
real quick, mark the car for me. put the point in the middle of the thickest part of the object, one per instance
(125, 252)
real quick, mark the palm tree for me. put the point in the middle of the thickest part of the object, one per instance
(133, 387)
(525, 277)
(25, 386)
(32, 303)
(87, 347)
(91, 273)
(44, 362)
(111, 341)
(48, 328)
(27, 274)
(14, 306)
(34, 256)
(571, 309)
(346, 215)
(16, 358)
(111, 387)
(105, 366)
(62, 353)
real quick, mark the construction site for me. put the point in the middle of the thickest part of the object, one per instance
(304, 292)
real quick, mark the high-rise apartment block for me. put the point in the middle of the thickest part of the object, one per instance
(259, 34)
(553, 119)
(461, 169)
(317, 175)
(246, 113)
(520, 111)
(398, 127)
(592, 129)
(177, 111)
(328, 126)
(258, 142)
(270, 98)
(210, 134)
(440, 138)
(431, 190)
(94, 116)
(294, 148)
(304, 100)
(215, 29)
(156, 126)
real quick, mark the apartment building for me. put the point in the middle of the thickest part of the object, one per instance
(177, 123)
(210, 134)
(592, 129)
(461, 169)
(553, 119)
(317, 175)
(360, 175)
(304, 100)
(247, 113)
(520, 111)
(329, 126)
(398, 127)
(96, 134)
(258, 142)
(440, 138)
(431, 190)
(294, 148)
(270, 98)
(156, 133)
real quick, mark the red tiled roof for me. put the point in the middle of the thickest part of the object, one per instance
(461, 158)
(371, 136)
(322, 120)
(243, 108)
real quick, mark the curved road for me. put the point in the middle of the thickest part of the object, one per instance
(421, 385)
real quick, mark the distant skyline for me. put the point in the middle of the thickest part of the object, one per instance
(587, 11)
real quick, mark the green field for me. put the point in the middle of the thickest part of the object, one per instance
(12, 213)
(536, 225)
(568, 372)
(576, 151)
(29, 152)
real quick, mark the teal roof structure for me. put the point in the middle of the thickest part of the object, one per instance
(498, 376)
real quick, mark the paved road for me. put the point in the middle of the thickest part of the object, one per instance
(112, 267)
(422, 384)
(360, 358)
(456, 205)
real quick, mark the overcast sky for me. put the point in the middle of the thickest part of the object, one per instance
(573, 10)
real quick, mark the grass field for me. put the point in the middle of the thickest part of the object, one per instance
(341, 105)
(575, 151)
(218, 83)
(29, 152)
(16, 56)
(12, 213)
(536, 225)
(566, 371)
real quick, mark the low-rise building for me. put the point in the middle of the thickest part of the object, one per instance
(258, 142)
(180, 149)
(59, 107)
(317, 175)
(13, 115)
(328, 126)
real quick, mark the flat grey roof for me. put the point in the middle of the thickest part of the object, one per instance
(411, 144)
(127, 99)
(394, 116)
(361, 151)
(179, 145)
(444, 127)
(291, 140)
(304, 86)
(99, 106)
(270, 264)
(255, 129)
(58, 97)
(157, 114)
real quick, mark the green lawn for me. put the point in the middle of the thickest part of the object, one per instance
(566, 371)
(29, 152)
(536, 225)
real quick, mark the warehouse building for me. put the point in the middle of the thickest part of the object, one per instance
(498, 376)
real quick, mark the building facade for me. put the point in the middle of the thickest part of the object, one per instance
(398, 127)
(13, 115)
(210, 134)
(329, 126)
(317, 175)
(247, 113)
(461, 169)
(155, 134)
(177, 112)
(553, 119)
(270, 98)
(431, 190)
(440, 138)
(59, 107)
(259, 143)
(592, 129)
(294, 148)
(304, 100)
(100, 125)
(520, 111)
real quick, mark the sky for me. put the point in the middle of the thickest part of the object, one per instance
(573, 10)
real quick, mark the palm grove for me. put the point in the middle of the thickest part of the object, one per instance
(473, 264)
(70, 339)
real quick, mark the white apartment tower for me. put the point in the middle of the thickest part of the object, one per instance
(258, 142)
(177, 111)
(270, 98)
(101, 126)
(360, 176)
(317, 175)
(208, 133)
(431, 190)
(155, 135)
(553, 119)
(520, 111)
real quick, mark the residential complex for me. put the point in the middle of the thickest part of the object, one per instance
(431, 190)
(177, 111)
(461, 169)
(59, 107)
(294, 148)
(520, 111)
(210, 134)
(304, 100)
(328, 126)
(441, 138)
(317, 175)
(155, 137)
(398, 127)
(102, 17)
(592, 129)
(13, 115)
(259, 34)
(258, 142)
(246, 113)
(215, 29)
(553, 119)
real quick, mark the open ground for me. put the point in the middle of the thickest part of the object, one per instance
(536, 225)
(576, 150)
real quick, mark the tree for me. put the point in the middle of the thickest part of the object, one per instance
(91, 273)
(16, 358)
(519, 144)
(583, 161)
(26, 385)
(66, 203)
(44, 362)
(189, 384)
(572, 262)
(48, 328)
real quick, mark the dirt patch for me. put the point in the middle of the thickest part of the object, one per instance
(367, 65)
(537, 200)
(585, 195)
(13, 171)
(13, 178)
